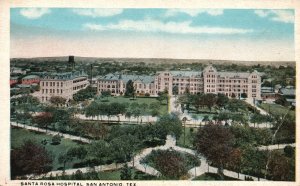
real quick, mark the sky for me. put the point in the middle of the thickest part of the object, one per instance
(223, 34)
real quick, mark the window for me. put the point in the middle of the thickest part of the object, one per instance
(46, 83)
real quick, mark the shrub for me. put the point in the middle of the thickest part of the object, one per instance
(56, 139)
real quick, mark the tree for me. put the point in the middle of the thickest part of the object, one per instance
(215, 142)
(57, 100)
(235, 160)
(130, 90)
(84, 94)
(92, 110)
(30, 158)
(170, 124)
(210, 100)
(175, 90)
(162, 96)
(289, 151)
(222, 100)
(44, 119)
(282, 101)
(279, 167)
(126, 173)
(171, 164)
(106, 94)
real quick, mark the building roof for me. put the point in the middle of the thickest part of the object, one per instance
(267, 90)
(287, 91)
(31, 77)
(23, 86)
(234, 74)
(15, 78)
(126, 78)
(64, 76)
(186, 73)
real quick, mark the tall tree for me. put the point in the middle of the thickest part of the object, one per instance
(130, 90)
(30, 158)
(215, 142)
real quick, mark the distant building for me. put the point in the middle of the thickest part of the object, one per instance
(61, 84)
(289, 93)
(232, 84)
(31, 79)
(268, 94)
(13, 80)
(14, 71)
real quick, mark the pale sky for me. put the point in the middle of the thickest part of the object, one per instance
(230, 34)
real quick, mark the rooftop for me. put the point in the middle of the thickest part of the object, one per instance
(31, 77)
(64, 75)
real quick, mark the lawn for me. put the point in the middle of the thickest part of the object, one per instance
(212, 176)
(276, 109)
(148, 100)
(189, 137)
(18, 136)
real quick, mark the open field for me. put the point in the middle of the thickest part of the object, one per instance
(276, 109)
(140, 100)
(18, 136)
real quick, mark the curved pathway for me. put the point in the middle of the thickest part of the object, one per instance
(50, 132)
(194, 172)
(170, 143)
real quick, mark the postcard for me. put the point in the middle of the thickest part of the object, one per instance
(112, 94)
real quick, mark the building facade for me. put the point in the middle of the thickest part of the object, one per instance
(231, 84)
(61, 84)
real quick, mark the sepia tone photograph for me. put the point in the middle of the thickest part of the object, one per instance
(152, 94)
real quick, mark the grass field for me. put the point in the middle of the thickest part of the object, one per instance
(188, 137)
(276, 109)
(148, 100)
(18, 136)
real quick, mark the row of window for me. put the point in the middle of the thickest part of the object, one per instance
(52, 84)
(58, 91)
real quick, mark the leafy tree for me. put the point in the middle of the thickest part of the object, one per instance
(43, 120)
(130, 90)
(57, 100)
(282, 101)
(162, 96)
(126, 173)
(106, 94)
(92, 110)
(279, 167)
(210, 100)
(289, 151)
(30, 158)
(84, 94)
(170, 124)
(222, 100)
(235, 160)
(171, 164)
(215, 142)
(98, 150)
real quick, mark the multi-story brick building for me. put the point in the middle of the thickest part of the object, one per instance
(61, 84)
(207, 81)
